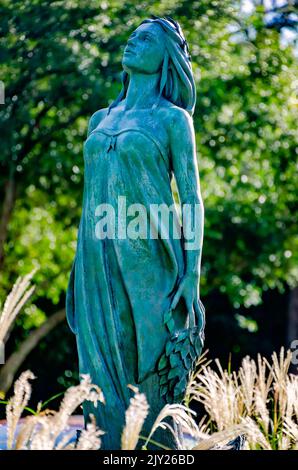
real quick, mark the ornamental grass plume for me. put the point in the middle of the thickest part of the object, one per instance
(261, 395)
(182, 422)
(52, 425)
(16, 299)
(259, 401)
(135, 417)
(17, 404)
(49, 430)
(182, 418)
(89, 438)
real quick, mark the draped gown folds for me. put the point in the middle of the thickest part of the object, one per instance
(120, 289)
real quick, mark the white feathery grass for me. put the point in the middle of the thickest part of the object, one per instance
(264, 378)
(25, 433)
(261, 411)
(16, 299)
(263, 395)
(43, 431)
(191, 388)
(17, 404)
(291, 431)
(247, 378)
(280, 368)
(51, 426)
(219, 394)
(135, 417)
(182, 419)
(89, 438)
(255, 436)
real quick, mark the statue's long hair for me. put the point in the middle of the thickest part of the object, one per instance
(176, 80)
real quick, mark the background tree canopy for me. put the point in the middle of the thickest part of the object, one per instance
(60, 62)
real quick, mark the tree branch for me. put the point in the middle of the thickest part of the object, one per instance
(14, 362)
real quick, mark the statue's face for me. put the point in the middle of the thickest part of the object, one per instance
(145, 49)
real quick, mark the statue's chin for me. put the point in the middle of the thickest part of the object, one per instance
(128, 67)
(130, 62)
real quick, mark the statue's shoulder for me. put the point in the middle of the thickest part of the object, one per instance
(96, 118)
(173, 115)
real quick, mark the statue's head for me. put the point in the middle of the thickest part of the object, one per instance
(158, 45)
(145, 49)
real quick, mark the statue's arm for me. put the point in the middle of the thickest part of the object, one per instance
(185, 168)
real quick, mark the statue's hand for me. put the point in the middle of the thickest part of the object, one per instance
(184, 345)
(188, 289)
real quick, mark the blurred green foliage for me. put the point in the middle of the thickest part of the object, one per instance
(61, 61)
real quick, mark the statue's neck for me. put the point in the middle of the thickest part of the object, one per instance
(142, 90)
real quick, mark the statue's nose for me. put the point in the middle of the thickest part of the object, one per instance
(130, 43)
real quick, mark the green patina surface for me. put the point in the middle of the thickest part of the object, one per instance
(133, 303)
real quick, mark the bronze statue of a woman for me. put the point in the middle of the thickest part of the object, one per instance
(133, 298)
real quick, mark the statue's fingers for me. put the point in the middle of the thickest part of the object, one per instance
(189, 303)
(200, 313)
(176, 298)
(192, 316)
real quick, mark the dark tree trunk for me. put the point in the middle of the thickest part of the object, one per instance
(14, 362)
(293, 316)
(8, 204)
